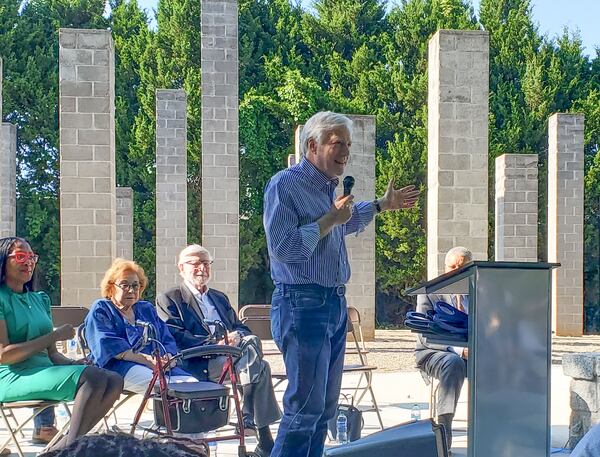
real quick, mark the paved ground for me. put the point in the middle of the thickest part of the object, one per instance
(398, 387)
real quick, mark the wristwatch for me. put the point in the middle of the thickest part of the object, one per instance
(377, 206)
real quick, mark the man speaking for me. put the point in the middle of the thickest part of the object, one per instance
(305, 224)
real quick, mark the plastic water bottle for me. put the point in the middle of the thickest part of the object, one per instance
(212, 447)
(415, 413)
(342, 428)
(62, 417)
(72, 349)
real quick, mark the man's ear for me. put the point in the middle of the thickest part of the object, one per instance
(312, 146)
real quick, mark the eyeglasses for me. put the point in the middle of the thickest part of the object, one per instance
(22, 257)
(124, 286)
(196, 265)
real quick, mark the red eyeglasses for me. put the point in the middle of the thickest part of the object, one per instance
(22, 257)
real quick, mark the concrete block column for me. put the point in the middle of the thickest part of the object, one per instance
(171, 184)
(584, 369)
(87, 162)
(360, 290)
(8, 185)
(220, 143)
(124, 197)
(457, 156)
(565, 221)
(516, 207)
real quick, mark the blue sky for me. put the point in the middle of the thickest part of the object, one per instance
(550, 15)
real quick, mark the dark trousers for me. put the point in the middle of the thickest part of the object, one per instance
(309, 325)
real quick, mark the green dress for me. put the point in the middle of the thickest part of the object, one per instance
(27, 316)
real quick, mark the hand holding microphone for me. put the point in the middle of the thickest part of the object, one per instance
(343, 204)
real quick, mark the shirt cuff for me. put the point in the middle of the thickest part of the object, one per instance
(310, 234)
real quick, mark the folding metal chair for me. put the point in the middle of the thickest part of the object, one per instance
(365, 371)
(7, 412)
(126, 395)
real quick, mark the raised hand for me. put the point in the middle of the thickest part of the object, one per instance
(64, 332)
(402, 198)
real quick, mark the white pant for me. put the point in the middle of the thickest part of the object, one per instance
(139, 376)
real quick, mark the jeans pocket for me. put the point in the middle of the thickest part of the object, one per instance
(276, 323)
(307, 299)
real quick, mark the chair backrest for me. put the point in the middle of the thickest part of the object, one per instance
(255, 311)
(258, 319)
(355, 328)
(74, 315)
(82, 341)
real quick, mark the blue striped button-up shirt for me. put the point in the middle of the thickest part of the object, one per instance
(295, 199)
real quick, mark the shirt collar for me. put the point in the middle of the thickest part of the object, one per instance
(195, 291)
(315, 176)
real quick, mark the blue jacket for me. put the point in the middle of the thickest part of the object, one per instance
(108, 334)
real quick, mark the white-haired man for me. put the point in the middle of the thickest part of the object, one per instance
(306, 227)
(445, 363)
(187, 307)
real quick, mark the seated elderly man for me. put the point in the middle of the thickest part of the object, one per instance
(187, 308)
(445, 363)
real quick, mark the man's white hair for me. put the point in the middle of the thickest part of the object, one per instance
(319, 124)
(459, 251)
(193, 249)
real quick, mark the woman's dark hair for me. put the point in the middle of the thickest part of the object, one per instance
(6, 245)
(121, 445)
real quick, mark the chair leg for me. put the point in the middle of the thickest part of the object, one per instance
(376, 406)
(12, 437)
(10, 414)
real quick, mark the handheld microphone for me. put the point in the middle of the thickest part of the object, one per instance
(348, 185)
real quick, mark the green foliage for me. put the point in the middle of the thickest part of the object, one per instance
(354, 56)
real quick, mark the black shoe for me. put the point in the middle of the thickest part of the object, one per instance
(260, 452)
(249, 427)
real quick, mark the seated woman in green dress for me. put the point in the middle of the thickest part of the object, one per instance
(30, 366)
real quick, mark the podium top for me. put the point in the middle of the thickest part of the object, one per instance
(457, 281)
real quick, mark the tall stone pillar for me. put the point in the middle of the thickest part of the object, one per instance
(8, 185)
(124, 222)
(171, 184)
(360, 290)
(220, 161)
(457, 155)
(516, 207)
(565, 221)
(87, 162)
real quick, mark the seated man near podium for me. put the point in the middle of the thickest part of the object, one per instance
(188, 310)
(447, 364)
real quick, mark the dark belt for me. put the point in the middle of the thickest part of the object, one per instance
(339, 290)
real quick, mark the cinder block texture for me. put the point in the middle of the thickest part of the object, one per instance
(360, 290)
(171, 184)
(457, 151)
(8, 189)
(565, 221)
(87, 162)
(220, 160)
(124, 222)
(584, 368)
(516, 207)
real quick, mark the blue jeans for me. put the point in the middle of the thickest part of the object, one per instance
(44, 419)
(309, 325)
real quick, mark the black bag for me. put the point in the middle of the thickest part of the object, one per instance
(197, 407)
(354, 420)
